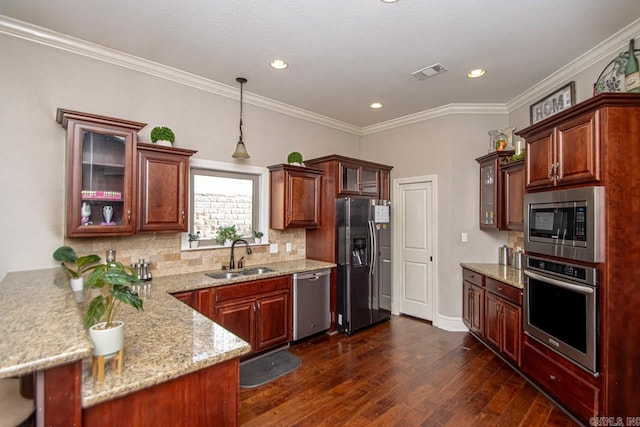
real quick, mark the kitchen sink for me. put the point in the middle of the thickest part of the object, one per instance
(224, 275)
(256, 270)
(246, 272)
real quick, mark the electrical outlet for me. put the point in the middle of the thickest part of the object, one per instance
(465, 237)
(273, 248)
(288, 247)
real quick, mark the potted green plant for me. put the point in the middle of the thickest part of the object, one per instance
(294, 158)
(113, 279)
(227, 234)
(163, 136)
(83, 264)
(257, 236)
(194, 239)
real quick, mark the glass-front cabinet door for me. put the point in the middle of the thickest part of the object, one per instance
(369, 181)
(487, 194)
(100, 175)
(358, 180)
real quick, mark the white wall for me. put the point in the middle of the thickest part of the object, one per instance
(35, 80)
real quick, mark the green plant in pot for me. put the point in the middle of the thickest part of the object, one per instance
(160, 134)
(257, 236)
(113, 279)
(294, 158)
(194, 239)
(67, 256)
(226, 234)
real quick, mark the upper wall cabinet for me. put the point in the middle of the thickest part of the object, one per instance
(355, 177)
(101, 172)
(163, 188)
(564, 154)
(492, 187)
(295, 197)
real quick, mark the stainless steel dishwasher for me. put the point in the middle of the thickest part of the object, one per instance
(311, 311)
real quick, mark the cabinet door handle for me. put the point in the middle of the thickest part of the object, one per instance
(255, 306)
(551, 172)
(552, 377)
(182, 213)
(259, 306)
(555, 171)
(129, 217)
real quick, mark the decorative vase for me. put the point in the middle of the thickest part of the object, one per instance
(107, 342)
(85, 213)
(77, 284)
(164, 143)
(107, 213)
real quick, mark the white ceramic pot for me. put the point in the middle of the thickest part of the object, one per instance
(107, 342)
(164, 143)
(194, 243)
(77, 284)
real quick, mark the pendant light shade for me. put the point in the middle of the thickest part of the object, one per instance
(241, 150)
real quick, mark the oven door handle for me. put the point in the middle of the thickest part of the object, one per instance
(560, 283)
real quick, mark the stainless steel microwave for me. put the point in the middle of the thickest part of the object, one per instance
(566, 223)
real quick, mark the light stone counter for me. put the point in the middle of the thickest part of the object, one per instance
(168, 339)
(504, 273)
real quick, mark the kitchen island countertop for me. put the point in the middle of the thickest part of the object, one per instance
(168, 339)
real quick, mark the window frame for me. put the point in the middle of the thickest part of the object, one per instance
(262, 195)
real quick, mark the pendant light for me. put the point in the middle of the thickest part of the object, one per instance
(241, 151)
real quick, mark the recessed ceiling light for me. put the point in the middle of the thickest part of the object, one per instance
(278, 64)
(478, 72)
(376, 105)
(388, 1)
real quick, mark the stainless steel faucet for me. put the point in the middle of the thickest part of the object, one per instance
(232, 261)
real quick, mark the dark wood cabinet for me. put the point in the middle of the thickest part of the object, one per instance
(473, 308)
(503, 323)
(339, 174)
(163, 188)
(492, 200)
(574, 389)
(565, 154)
(492, 310)
(185, 297)
(295, 197)
(513, 195)
(259, 312)
(596, 142)
(101, 171)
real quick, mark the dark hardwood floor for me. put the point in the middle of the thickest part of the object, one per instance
(404, 373)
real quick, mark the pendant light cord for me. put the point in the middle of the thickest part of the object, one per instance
(241, 85)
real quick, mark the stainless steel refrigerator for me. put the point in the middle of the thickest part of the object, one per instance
(363, 294)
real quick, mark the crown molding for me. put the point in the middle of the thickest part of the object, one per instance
(44, 36)
(609, 48)
(445, 110)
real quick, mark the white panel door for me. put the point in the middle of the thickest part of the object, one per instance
(416, 249)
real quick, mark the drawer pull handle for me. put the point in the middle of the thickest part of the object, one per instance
(552, 377)
(500, 288)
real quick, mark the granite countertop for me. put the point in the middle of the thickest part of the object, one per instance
(504, 273)
(166, 340)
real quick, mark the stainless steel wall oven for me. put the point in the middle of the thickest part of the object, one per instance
(561, 309)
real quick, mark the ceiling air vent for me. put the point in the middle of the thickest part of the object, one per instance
(430, 71)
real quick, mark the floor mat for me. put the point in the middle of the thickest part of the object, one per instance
(259, 371)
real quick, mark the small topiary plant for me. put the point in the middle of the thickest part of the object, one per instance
(294, 157)
(162, 134)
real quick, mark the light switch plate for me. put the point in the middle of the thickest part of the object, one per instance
(273, 248)
(465, 237)
(288, 247)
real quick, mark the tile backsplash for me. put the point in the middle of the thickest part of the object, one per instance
(515, 240)
(164, 252)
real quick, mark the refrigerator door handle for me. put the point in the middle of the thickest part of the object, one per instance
(373, 247)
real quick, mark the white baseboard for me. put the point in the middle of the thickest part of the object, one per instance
(453, 324)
